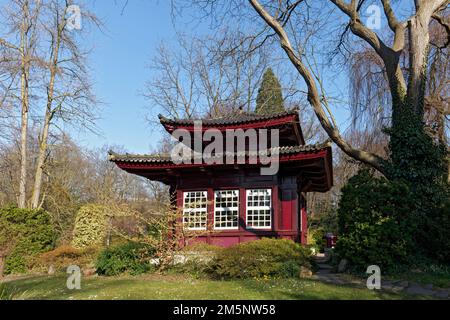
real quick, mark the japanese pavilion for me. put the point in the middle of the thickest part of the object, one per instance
(238, 203)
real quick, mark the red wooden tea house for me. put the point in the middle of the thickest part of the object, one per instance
(232, 201)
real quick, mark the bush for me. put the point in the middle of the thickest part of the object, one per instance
(202, 248)
(90, 226)
(437, 232)
(317, 239)
(28, 233)
(421, 162)
(262, 258)
(374, 223)
(65, 256)
(131, 257)
(198, 259)
(325, 218)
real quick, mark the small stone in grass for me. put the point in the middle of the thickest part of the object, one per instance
(305, 272)
(343, 264)
(89, 272)
(51, 270)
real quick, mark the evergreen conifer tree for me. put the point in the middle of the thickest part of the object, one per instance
(270, 96)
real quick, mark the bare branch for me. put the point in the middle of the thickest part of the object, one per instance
(390, 15)
(442, 21)
(313, 94)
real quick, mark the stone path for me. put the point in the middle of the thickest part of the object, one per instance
(327, 274)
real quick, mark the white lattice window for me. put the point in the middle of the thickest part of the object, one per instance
(259, 209)
(226, 209)
(195, 210)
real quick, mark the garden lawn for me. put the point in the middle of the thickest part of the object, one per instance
(154, 287)
(438, 279)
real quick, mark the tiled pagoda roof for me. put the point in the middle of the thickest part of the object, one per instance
(166, 158)
(235, 118)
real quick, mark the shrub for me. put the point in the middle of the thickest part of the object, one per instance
(436, 229)
(325, 218)
(262, 258)
(131, 257)
(317, 239)
(90, 226)
(65, 256)
(374, 223)
(28, 232)
(198, 259)
(202, 248)
(421, 162)
(195, 267)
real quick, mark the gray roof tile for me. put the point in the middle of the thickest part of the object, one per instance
(230, 119)
(165, 158)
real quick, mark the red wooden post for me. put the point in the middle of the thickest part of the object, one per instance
(210, 214)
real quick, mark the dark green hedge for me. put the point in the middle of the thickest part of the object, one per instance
(132, 258)
(374, 223)
(30, 232)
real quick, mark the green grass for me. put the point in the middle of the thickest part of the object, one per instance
(424, 273)
(155, 287)
(437, 279)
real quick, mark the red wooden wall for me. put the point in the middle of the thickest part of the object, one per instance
(288, 207)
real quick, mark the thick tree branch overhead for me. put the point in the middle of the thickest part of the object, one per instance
(389, 55)
(313, 94)
(390, 15)
(392, 67)
(443, 21)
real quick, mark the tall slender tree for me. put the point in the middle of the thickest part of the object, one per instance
(68, 92)
(22, 20)
(270, 95)
(42, 53)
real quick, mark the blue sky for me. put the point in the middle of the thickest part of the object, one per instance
(119, 61)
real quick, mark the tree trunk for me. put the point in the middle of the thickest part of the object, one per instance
(419, 38)
(25, 106)
(35, 198)
(49, 112)
(419, 44)
(23, 147)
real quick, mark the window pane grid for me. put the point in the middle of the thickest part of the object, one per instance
(226, 209)
(195, 210)
(259, 214)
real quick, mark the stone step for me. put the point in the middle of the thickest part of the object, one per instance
(324, 271)
(324, 266)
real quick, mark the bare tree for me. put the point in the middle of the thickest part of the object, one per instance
(369, 88)
(21, 18)
(68, 91)
(205, 76)
(46, 72)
